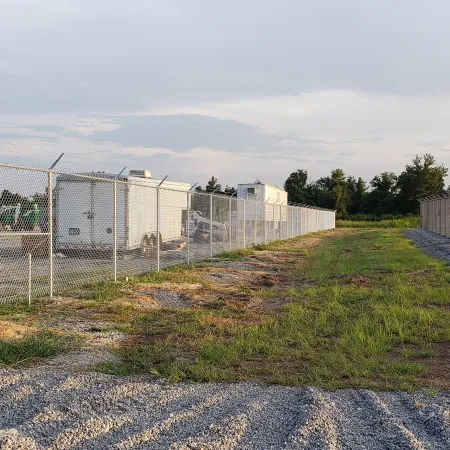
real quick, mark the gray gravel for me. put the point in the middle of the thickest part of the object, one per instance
(431, 243)
(47, 409)
(167, 299)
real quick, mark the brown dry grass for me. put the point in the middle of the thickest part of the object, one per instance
(13, 331)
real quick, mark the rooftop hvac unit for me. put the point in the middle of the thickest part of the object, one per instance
(140, 173)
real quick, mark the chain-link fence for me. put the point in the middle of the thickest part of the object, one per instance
(435, 214)
(59, 231)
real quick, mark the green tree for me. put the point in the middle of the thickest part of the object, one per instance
(360, 194)
(295, 185)
(419, 179)
(230, 190)
(356, 190)
(385, 182)
(382, 197)
(316, 195)
(213, 185)
(339, 191)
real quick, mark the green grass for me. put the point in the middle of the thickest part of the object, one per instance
(20, 308)
(370, 310)
(405, 222)
(42, 344)
(235, 255)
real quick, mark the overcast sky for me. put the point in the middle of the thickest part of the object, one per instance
(237, 89)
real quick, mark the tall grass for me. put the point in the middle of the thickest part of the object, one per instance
(405, 222)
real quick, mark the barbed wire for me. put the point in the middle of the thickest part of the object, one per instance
(55, 153)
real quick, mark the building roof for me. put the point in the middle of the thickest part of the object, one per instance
(262, 184)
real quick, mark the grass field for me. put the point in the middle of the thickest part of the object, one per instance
(363, 308)
(405, 222)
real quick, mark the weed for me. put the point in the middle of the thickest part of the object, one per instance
(235, 255)
(42, 344)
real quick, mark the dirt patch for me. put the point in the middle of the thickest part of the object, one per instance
(168, 286)
(269, 281)
(384, 271)
(421, 273)
(224, 277)
(165, 298)
(438, 372)
(437, 362)
(305, 243)
(359, 281)
(10, 331)
(135, 301)
(276, 258)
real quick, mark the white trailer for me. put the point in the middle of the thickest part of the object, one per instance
(85, 211)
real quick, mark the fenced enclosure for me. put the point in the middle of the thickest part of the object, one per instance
(59, 231)
(435, 214)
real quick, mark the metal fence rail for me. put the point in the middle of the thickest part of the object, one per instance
(59, 231)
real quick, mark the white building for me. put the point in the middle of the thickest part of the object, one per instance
(266, 202)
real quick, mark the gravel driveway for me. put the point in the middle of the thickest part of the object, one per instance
(431, 243)
(48, 409)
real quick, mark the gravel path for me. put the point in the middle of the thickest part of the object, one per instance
(431, 243)
(48, 409)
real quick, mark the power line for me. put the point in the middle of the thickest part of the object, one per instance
(24, 154)
(36, 156)
(26, 146)
(86, 159)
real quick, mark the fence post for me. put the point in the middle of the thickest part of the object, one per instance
(265, 223)
(280, 226)
(50, 229)
(115, 229)
(292, 221)
(229, 220)
(443, 215)
(446, 215)
(256, 222)
(244, 221)
(188, 227)
(211, 224)
(273, 223)
(157, 228)
(29, 279)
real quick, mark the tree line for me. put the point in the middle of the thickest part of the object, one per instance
(213, 186)
(386, 194)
